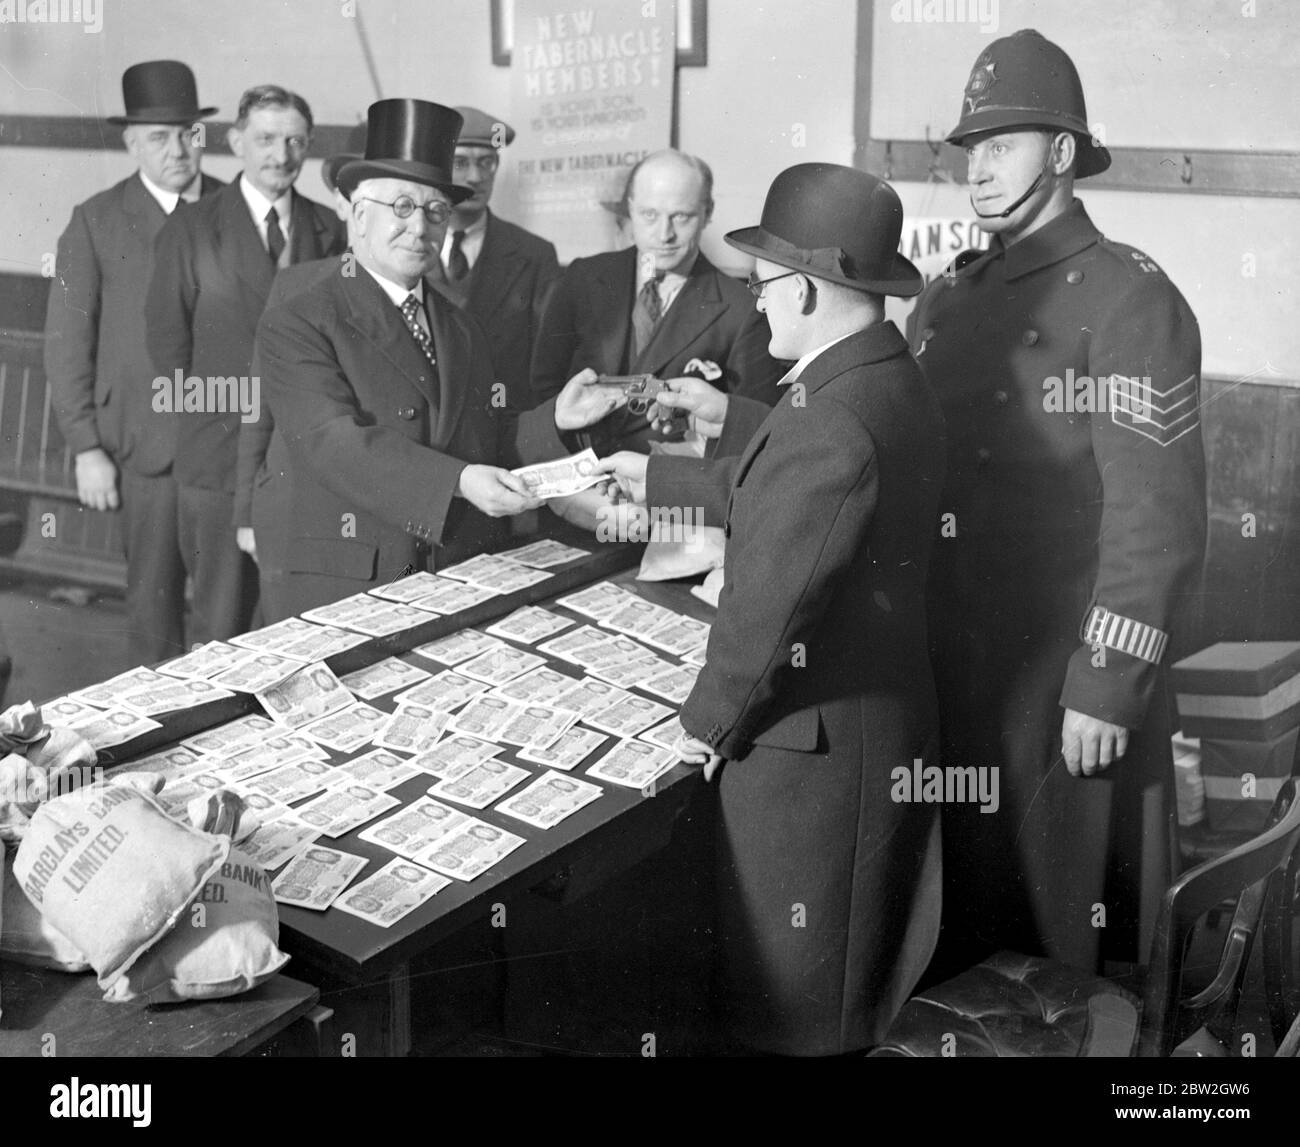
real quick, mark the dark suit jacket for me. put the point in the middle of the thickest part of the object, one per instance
(588, 323)
(506, 291)
(371, 446)
(210, 283)
(95, 360)
(816, 687)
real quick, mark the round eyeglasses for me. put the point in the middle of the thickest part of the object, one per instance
(436, 212)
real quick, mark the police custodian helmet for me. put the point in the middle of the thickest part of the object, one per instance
(1025, 81)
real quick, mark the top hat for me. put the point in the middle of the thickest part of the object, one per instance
(483, 130)
(1025, 81)
(408, 139)
(160, 91)
(356, 147)
(835, 223)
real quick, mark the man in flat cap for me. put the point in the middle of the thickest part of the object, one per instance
(500, 273)
(1073, 530)
(817, 687)
(394, 441)
(214, 271)
(657, 307)
(95, 359)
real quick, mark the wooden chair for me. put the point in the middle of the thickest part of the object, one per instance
(1014, 1005)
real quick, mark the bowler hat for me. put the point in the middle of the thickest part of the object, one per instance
(160, 91)
(408, 139)
(483, 130)
(1025, 81)
(356, 147)
(835, 223)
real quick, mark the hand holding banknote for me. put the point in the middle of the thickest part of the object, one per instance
(628, 472)
(561, 477)
(498, 493)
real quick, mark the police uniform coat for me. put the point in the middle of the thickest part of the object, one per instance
(588, 323)
(370, 439)
(1072, 531)
(817, 686)
(506, 292)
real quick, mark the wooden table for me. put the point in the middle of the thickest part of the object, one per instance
(54, 1013)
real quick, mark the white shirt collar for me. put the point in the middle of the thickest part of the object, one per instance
(471, 245)
(395, 291)
(168, 200)
(799, 367)
(259, 205)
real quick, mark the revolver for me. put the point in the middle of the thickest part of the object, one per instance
(641, 389)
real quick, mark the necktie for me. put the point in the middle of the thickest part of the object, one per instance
(274, 236)
(410, 310)
(646, 314)
(457, 264)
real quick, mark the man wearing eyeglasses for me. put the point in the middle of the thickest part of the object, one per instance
(657, 307)
(393, 436)
(214, 267)
(500, 273)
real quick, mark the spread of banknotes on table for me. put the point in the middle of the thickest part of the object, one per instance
(552, 687)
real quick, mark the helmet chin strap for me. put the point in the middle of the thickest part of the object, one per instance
(1047, 166)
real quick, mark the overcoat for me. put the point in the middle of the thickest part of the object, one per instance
(507, 291)
(816, 688)
(1072, 535)
(370, 439)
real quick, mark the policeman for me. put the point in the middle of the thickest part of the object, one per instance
(1072, 528)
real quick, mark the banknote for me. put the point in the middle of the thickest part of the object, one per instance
(455, 754)
(105, 694)
(386, 676)
(499, 665)
(150, 700)
(529, 625)
(378, 769)
(396, 890)
(479, 786)
(445, 691)
(679, 634)
(511, 580)
(627, 716)
(695, 656)
(634, 764)
(251, 760)
(470, 850)
(562, 477)
(321, 642)
(293, 782)
(307, 693)
(173, 761)
(590, 696)
(256, 671)
(673, 684)
(344, 611)
(346, 729)
(391, 617)
(596, 601)
(413, 829)
(457, 647)
(410, 588)
(537, 726)
(537, 686)
(572, 748)
(412, 728)
(454, 597)
(484, 717)
(114, 727)
(339, 810)
(549, 799)
(67, 711)
(638, 617)
(275, 842)
(274, 637)
(632, 672)
(667, 735)
(544, 553)
(574, 645)
(205, 661)
(315, 876)
(221, 738)
(480, 565)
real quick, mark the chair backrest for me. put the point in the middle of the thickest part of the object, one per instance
(1256, 875)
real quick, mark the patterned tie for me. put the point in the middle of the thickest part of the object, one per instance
(457, 264)
(274, 236)
(410, 310)
(646, 314)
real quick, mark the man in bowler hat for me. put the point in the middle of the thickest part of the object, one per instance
(213, 275)
(393, 436)
(500, 273)
(817, 683)
(95, 359)
(1074, 530)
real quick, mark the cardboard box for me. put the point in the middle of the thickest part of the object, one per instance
(1240, 690)
(1242, 778)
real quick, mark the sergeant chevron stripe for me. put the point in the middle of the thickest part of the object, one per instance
(1115, 631)
(1163, 416)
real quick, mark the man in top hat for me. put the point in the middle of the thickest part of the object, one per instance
(215, 267)
(1068, 366)
(95, 356)
(817, 686)
(500, 273)
(657, 307)
(391, 432)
